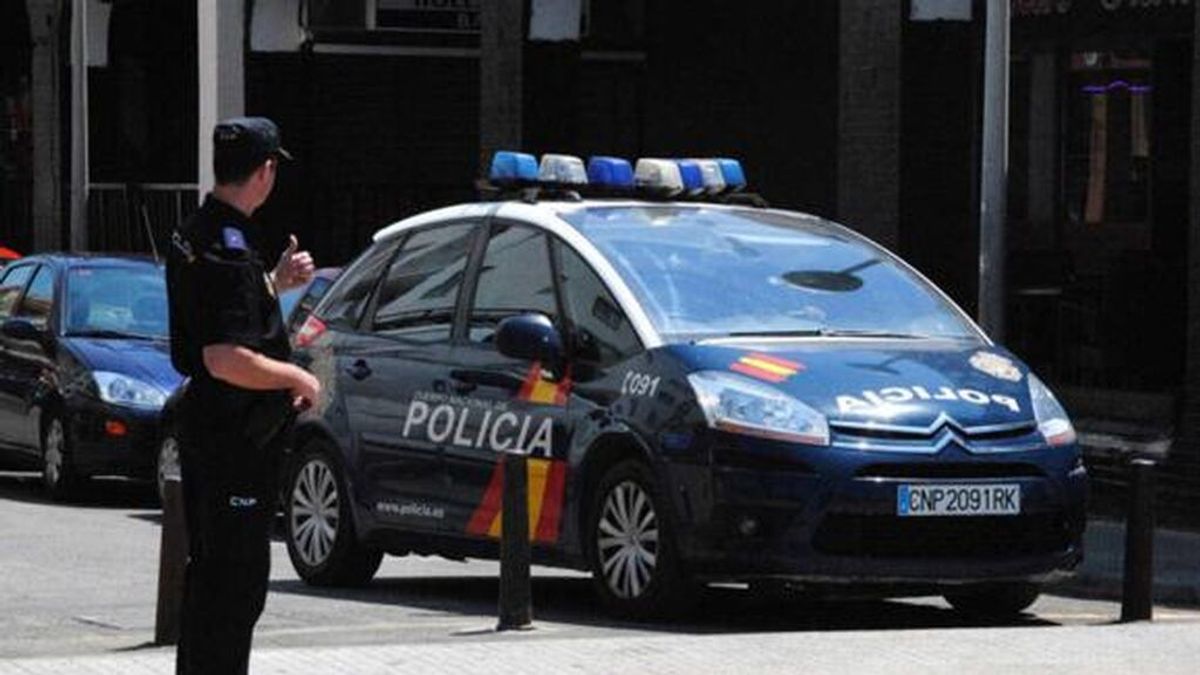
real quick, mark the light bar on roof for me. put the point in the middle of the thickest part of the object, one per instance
(659, 175)
(562, 169)
(513, 167)
(610, 172)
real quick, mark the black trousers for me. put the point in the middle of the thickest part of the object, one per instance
(229, 498)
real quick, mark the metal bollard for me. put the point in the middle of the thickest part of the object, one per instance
(1137, 599)
(172, 563)
(516, 611)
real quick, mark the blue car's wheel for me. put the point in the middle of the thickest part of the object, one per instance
(635, 568)
(998, 600)
(58, 474)
(321, 539)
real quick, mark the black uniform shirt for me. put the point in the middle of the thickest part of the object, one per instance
(219, 290)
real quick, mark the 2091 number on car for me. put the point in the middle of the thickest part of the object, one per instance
(958, 500)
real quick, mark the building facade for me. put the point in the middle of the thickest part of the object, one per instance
(866, 111)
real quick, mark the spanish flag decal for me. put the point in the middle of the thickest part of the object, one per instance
(547, 482)
(763, 367)
(538, 389)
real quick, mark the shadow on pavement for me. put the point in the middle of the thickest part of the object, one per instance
(103, 493)
(720, 609)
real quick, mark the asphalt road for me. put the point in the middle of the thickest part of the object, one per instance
(81, 579)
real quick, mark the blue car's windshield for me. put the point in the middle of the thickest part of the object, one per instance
(116, 302)
(702, 271)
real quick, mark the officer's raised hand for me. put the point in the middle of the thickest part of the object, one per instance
(294, 268)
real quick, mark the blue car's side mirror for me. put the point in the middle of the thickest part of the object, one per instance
(531, 337)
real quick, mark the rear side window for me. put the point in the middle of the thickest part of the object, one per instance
(11, 286)
(350, 295)
(417, 298)
(35, 306)
(515, 278)
(603, 334)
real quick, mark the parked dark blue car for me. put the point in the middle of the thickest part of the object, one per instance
(705, 392)
(84, 366)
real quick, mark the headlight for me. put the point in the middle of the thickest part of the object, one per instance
(740, 405)
(121, 389)
(1051, 418)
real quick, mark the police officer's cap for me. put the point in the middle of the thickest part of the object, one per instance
(247, 141)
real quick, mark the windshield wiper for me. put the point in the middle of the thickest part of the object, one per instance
(108, 333)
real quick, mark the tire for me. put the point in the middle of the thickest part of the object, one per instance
(167, 464)
(319, 524)
(998, 600)
(635, 565)
(58, 475)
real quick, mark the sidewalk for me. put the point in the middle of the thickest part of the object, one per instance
(1176, 564)
(1116, 649)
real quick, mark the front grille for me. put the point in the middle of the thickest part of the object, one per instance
(950, 470)
(919, 434)
(942, 536)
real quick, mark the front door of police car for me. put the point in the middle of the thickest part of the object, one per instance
(506, 404)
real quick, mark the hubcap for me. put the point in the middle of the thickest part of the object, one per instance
(627, 540)
(168, 463)
(53, 460)
(314, 512)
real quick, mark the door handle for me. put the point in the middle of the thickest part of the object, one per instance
(360, 370)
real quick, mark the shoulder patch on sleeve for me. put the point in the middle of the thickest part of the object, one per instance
(233, 238)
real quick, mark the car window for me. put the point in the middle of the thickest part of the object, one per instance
(603, 334)
(348, 298)
(35, 306)
(11, 286)
(417, 298)
(702, 271)
(116, 301)
(514, 278)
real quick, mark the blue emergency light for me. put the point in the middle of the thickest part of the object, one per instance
(513, 167)
(731, 171)
(612, 172)
(693, 178)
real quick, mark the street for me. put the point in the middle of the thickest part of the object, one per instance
(80, 580)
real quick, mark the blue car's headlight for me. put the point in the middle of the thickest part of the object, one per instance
(741, 405)
(1051, 418)
(121, 389)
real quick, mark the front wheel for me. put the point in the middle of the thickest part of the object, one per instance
(58, 474)
(998, 600)
(321, 540)
(635, 567)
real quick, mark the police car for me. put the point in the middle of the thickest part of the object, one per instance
(706, 390)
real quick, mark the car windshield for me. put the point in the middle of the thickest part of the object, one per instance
(116, 302)
(709, 272)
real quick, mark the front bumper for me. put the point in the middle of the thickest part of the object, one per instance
(97, 450)
(765, 509)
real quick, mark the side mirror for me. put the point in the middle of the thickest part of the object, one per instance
(531, 337)
(21, 329)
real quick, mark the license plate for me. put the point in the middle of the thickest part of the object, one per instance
(958, 500)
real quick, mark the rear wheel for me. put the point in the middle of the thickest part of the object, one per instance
(58, 473)
(999, 600)
(635, 568)
(321, 540)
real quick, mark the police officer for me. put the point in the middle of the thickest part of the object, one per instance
(228, 337)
